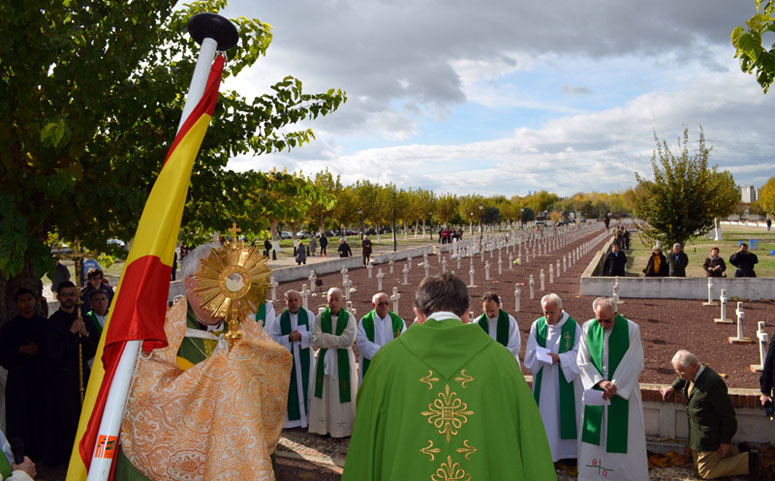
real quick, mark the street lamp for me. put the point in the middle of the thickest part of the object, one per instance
(430, 228)
(395, 240)
(360, 214)
(481, 231)
(471, 215)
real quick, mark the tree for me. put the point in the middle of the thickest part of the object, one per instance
(527, 215)
(685, 195)
(749, 48)
(91, 99)
(767, 198)
(446, 207)
(329, 189)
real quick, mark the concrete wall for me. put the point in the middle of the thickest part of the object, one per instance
(593, 284)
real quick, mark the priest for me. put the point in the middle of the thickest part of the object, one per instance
(332, 408)
(377, 328)
(499, 324)
(181, 419)
(612, 443)
(550, 356)
(445, 401)
(292, 331)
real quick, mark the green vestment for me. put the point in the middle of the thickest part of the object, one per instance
(445, 401)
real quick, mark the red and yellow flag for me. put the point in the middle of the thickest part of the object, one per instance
(140, 302)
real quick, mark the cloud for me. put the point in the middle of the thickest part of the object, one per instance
(580, 90)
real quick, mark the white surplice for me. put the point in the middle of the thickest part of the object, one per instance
(549, 399)
(270, 315)
(295, 347)
(515, 342)
(594, 463)
(383, 333)
(327, 415)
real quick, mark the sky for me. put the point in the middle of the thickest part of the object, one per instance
(510, 97)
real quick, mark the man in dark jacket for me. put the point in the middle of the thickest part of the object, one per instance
(714, 265)
(712, 422)
(677, 262)
(615, 262)
(344, 248)
(744, 260)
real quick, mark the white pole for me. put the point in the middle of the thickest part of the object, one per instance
(110, 424)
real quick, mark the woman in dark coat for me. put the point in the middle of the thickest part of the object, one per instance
(657, 265)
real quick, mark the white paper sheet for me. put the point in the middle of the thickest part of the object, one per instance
(593, 397)
(542, 354)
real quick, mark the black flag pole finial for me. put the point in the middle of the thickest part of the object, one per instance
(211, 25)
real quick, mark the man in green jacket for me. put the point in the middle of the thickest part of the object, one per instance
(711, 420)
(446, 401)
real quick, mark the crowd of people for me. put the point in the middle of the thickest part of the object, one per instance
(455, 379)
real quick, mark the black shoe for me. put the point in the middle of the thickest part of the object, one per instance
(744, 447)
(754, 466)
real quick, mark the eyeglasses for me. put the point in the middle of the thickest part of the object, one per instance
(383, 303)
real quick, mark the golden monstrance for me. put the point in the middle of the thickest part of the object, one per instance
(232, 283)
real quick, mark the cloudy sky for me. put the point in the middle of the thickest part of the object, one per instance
(507, 97)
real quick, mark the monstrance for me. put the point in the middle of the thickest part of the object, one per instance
(232, 283)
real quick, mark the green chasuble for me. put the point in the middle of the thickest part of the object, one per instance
(261, 314)
(444, 401)
(368, 325)
(343, 360)
(567, 394)
(502, 333)
(304, 360)
(618, 411)
(5, 466)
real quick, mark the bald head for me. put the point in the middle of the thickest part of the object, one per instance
(381, 304)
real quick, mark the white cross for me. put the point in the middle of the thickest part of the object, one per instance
(346, 284)
(517, 292)
(558, 268)
(458, 262)
(511, 261)
(710, 293)
(542, 276)
(487, 271)
(551, 274)
(427, 267)
(395, 297)
(391, 263)
(369, 267)
(405, 271)
(564, 263)
(273, 284)
(312, 278)
(380, 275)
(471, 276)
(532, 283)
(344, 274)
(763, 338)
(304, 293)
(500, 266)
(409, 262)
(444, 265)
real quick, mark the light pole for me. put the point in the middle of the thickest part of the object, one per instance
(430, 227)
(395, 240)
(471, 215)
(481, 231)
(360, 215)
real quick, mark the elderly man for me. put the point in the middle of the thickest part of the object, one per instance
(366, 250)
(552, 347)
(182, 396)
(456, 388)
(610, 359)
(712, 422)
(292, 331)
(332, 409)
(376, 329)
(21, 353)
(499, 324)
(677, 262)
(615, 263)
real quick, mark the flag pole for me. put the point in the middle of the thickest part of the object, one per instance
(214, 33)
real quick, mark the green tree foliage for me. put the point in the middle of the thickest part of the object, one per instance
(748, 42)
(328, 188)
(685, 195)
(91, 96)
(767, 198)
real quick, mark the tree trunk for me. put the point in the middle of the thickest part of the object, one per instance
(8, 288)
(273, 224)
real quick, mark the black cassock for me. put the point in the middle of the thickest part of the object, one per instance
(63, 398)
(24, 390)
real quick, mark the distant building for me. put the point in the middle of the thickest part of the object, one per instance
(748, 193)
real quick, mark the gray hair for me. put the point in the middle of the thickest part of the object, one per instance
(551, 298)
(289, 291)
(685, 358)
(190, 264)
(604, 301)
(677, 244)
(333, 290)
(375, 296)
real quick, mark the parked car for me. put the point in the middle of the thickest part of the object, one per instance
(117, 242)
(285, 235)
(329, 233)
(371, 231)
(302, 234)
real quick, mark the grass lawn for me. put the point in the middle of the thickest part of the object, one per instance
(699, 249)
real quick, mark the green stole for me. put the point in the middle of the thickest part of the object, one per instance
(93, 318)
(293, 392)
(618, 410)
(567, 393)
(502, 335)
(261, 314)
(343, 360)
(193, 349)
(368, 325)
(5, 466)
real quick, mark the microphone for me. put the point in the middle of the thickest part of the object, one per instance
(17, 446)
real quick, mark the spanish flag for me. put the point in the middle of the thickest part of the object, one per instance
(140, 302)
